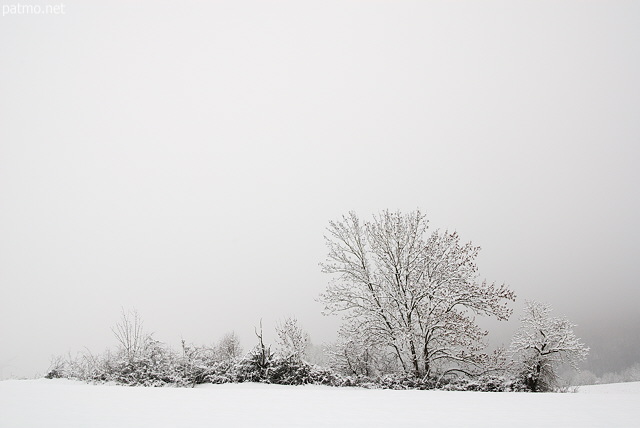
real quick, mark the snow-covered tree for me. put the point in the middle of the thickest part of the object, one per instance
(411, 292)
(542, 344)
(229, 348)
(292, 339)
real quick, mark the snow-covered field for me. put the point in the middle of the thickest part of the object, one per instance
(62, 403)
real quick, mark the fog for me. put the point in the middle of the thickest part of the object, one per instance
(184, 159)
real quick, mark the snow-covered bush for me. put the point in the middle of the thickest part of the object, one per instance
(289, 371)
(403, 381)
(138, 360)
(57, 368)
(83, 366)
(254, 366)
(154, 365)
(261, 365)
(487, 383)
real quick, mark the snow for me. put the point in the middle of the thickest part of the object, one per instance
(63, 403)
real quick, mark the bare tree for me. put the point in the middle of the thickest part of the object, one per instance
(542, 344)
(262, 353)
(229, 347)
(130, 335)
(413, 293)
(292, 339)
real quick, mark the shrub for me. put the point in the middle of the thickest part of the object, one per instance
(486, 383)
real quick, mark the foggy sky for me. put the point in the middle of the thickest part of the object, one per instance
(185, 158)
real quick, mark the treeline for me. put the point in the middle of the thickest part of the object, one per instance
(587, 377)
(140, 360)
(408, 298)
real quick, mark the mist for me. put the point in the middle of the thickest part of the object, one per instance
(185, 160)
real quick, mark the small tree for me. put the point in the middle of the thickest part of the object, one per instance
(292, 340)
(130, 334)
(256, 365)
(229, 348)
(542, 344)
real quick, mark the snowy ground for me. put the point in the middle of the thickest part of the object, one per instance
(62, 403)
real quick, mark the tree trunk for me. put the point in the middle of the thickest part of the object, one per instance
(425, 355)
(414, 358)
(534, 378)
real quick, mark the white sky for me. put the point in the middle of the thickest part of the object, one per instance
(184, 158)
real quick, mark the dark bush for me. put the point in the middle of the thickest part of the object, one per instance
(487, 383)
